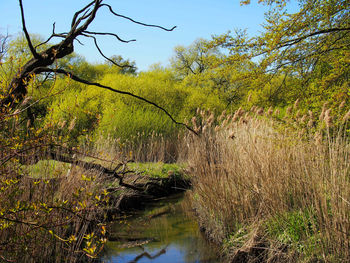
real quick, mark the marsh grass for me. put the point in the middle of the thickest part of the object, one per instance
(142, 147)
(277, 185)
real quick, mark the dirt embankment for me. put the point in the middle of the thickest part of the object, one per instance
(137, 190)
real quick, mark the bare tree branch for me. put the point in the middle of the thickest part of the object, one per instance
(30, 45)
(79, 41)
(103, 55)
(136, 22)
(3, 45)
(90, 16)
(41, 62)
(79, 12)
(110, 34)
(62, 35)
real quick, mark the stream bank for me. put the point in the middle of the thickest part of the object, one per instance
(138, 190)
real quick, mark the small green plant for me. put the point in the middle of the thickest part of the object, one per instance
(293, 228)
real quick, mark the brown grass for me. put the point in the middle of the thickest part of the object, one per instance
(140, 148)
(254, 179)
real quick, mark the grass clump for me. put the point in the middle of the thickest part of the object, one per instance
(292, 227)
(158, 170)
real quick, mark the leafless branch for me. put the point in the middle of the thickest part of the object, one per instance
(62, 35)
(79, 41)
(83, 17)
(42, 61)
(3, 45)
(79, 12)
(89, 16)
(30, 45)
(110, 34)
(103, 55)
(136, 22)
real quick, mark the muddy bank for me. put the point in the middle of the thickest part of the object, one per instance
(138, 190)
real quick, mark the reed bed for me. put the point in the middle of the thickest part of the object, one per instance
(142, 147)
(272, 190)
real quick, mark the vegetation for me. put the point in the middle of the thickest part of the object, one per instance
(271, 190)
(70, 130)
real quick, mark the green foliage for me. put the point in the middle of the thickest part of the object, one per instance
(192, 60)
(158, 170)
(204, 66)
(237, 238)
(124, 117)
(123, 66)
(293, 227)
(46, 168)
(300, 55)
(42, 214)
(300, 231)
(76, 110)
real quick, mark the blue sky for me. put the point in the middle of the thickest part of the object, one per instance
(194, 19)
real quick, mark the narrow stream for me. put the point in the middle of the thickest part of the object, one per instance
(165, 232)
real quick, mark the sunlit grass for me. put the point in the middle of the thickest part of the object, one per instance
(46, 169)
(158, 169)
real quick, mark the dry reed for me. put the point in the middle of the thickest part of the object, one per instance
(249, 175)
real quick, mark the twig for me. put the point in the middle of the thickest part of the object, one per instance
(110, 34)
(103, 55)
(136, 22)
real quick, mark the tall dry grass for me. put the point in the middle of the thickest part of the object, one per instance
(142, 147)
(280, 187)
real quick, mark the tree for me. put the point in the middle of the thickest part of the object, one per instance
(320, 28)
(41, 62)
(203, 65)
(44, 62)
(194, 59)
(126, 66)
(308, 46)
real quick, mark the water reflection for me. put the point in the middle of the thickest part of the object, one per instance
(148, 256)
(165, 232)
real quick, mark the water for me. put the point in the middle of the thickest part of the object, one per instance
(165, 232)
